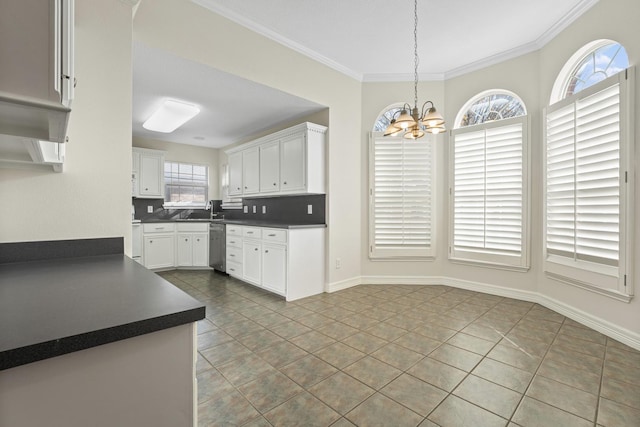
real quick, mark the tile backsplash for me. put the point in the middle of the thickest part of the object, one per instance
(283, 209)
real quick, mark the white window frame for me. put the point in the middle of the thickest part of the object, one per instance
(487, 257)
(186, 205)
(612, 281)
(401, 252)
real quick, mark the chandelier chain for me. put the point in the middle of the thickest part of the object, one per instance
(416, 59)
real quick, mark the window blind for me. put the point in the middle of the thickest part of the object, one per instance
(401, 198)
(185, 184)
(583, 178)
(488, 192)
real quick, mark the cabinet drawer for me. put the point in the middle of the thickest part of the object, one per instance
(234, 241)
(233, 230)
(159, 227)
(201, 227)
(252, 232)
(234, 269)
(274, 235)
(234, 254)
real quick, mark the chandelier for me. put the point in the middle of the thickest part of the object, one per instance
(411, 121)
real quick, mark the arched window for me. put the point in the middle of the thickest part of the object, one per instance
(588, 158)
(591, 64)
(384, 119)
(489, 185)
(490, 106)
(401, 203)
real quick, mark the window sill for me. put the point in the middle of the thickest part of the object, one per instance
(487, 264)
(583, 285)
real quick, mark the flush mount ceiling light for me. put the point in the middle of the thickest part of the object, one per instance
(170, 116)
(413, 122)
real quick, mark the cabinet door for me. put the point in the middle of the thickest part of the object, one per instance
(251, 262)
(159, 251)
(135, 174)
(274, 268)
(185, 250)
(292, 163)
(200, 250)
(235, 174)
(251, 170)
(151, 175)
(270, 167)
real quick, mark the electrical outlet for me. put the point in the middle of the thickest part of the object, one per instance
(149, 209)
(264, 209)
(254, 209)
(338, 263)
(245, 209)
(309, 209)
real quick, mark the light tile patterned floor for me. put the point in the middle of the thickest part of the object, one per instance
(402, 356)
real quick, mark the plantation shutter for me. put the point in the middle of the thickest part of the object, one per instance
(583, 178)
(488, 192)
(400, 197)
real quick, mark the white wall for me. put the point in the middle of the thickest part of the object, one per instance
(92, 197)
(199, 35)
(188, 154)
(531, 77)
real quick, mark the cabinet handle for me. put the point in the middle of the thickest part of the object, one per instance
(232, 241)
(186, 240)
(159, 228)
(249, 232)
(232, 255)
(266, 251)
(238, 188)
(274, 183)
(232, 269)
(245, 187)
(255, 249)
(197, 240)
(285, 183)
(150, 241)
(271, 235)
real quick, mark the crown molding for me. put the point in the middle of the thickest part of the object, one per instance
(568, 19)
(577, 11)
(278, 38)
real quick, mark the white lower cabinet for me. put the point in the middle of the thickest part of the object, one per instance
(168, 245)
(159, 250)
(192, 245)
(252, 261)
(287, 262)
(234, 250)
(274, 268)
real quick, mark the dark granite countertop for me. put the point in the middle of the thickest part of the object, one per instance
(53, 307)
(248, 222)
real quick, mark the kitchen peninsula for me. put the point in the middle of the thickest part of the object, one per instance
(89, 337)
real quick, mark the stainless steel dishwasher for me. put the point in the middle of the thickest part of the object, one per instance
(217, 247)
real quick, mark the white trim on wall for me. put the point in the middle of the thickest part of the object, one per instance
(605, 327)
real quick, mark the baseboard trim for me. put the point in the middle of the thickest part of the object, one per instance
(605, 327)
(343, 284)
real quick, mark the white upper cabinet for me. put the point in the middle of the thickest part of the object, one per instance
(150, 174)
(291, 161)
(251, 171)
(270, 167)
(235, 174)
(36, 81)
(36, 68)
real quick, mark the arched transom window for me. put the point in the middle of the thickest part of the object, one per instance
(384, 119)
(490, 106)
(603, 62)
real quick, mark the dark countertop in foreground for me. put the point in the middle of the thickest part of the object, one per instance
(248, 222)
(49, 308)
